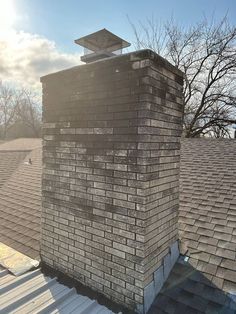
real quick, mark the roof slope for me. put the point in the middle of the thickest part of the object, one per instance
(189, 291)
(20, 200)
(21, 144)
(12, 153)
(33, 292)
(207, 215)
(8, 164)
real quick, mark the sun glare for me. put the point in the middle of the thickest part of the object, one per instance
(7, 15)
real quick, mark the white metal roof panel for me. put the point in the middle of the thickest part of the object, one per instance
(34, 292)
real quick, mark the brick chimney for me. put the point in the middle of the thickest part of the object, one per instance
(111, 174)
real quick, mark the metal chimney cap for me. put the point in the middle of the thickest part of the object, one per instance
(102, 40)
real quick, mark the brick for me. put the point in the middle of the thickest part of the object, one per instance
(123, 262)
(94, 271)
(124, 218)
(102, 240)
(94, 283)
(114, 251)
(112, 222)
(115, 280)
(115, 237)
(95, 231)
(102, 213)
(121, 196)
(124, 233)
(95, 245)
(122, 290)
(119, 297)
(123, 248)
(125, 204)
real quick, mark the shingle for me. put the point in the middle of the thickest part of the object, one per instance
(216, 260)
(222, 236)
(230, 275)
(227, 245)
(214, 308)
(228, 264)
(208, 240)
(210, 269)
(206, 248)
(218, 282)
(225, 253)
(199, 303)
(229, 286)
(223, 229)
(205, 232)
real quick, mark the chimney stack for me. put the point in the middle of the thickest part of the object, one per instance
(111, 150)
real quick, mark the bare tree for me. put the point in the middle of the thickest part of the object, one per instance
(28, 110)
(7, 108)
(19, 107)
(206, 53)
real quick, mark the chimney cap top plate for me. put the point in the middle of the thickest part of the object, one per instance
(102, 40)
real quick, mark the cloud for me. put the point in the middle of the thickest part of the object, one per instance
(25, 57)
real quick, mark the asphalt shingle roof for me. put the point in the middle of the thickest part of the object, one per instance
(8, 164)
(12, 153)
(207, 214)
(20, 198)
(187, 290)
(21, 144)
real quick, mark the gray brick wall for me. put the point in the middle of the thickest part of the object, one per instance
(110, 177)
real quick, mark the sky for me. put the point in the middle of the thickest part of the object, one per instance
(37, 36)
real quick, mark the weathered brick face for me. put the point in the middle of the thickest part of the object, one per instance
(110, 176)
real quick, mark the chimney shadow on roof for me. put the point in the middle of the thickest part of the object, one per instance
(187, 290)
(82, 290)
